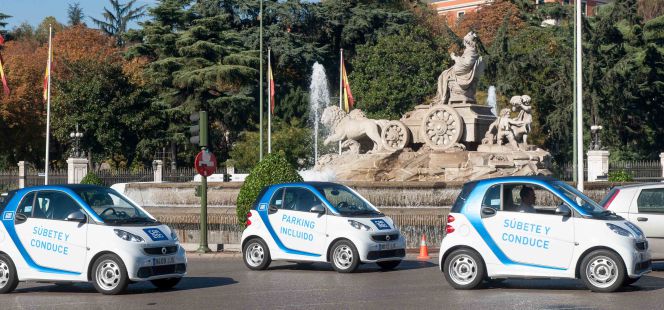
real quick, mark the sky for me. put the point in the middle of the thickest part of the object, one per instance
(34, 11)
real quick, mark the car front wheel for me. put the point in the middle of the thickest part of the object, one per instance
(603, 271)
(464, 269)
(344, 256)
(109, 275)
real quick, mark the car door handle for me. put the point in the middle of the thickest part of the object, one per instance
(642, 219)
(488, 212)
(272, 209)
(20, 218)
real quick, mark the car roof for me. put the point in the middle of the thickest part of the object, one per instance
(74, 187)
(640, 185)
(310, 183)
(518, 178)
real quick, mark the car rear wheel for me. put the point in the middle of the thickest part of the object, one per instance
(388, 265)
(256, 254)
(464, 269)
(344, 256)
(109, 275)
(602, 271)
(165, 284)
(8, 275)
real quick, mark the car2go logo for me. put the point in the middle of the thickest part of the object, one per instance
(8, 216)
(155, 234)
(381, 224)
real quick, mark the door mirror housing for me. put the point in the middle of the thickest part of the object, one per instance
(317, 209)
(76, 216)
(563, 210)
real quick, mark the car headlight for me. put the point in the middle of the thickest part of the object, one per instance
(358, 225)
(619, 230)
(174, 235)
(635, 228)
(127, 236)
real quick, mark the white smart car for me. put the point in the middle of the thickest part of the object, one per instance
(319, 222)
(81, 233)
(527, 227)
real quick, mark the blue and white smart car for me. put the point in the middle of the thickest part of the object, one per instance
(319, 222)
(538, 227)
(81, 233)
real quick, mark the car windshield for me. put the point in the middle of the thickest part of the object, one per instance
(112, 207)
(347, 202)
(588, 205)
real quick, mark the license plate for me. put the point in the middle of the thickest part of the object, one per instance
(387, 246)
(158, 261)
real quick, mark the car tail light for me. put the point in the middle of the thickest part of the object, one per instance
(248, 222)
(608, 202)
(449, 229)
(249, 214)
(450, 219)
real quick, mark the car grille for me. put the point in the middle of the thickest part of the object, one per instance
(386, 254)
(642, 245)
(146, 272)
(642, 266)
(158, 250)
(391, 237)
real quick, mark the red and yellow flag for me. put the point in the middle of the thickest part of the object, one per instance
(347, 94)
(271, 86)
(47, 72)
(5, 87)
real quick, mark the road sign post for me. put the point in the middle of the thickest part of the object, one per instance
(206, 164)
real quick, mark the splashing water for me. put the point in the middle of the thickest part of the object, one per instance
(491, 99)
(319, 98)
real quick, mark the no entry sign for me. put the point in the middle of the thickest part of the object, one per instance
(205, 163)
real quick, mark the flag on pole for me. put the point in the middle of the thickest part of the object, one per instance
(270, 85)
(47, 72)
(347, 94)
(2, 71)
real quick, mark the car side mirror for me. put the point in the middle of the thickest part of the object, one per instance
(563, 210)
(317, 209)
(76, 216)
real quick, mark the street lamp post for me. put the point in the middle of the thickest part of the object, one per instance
(76, 149)
(579, 99)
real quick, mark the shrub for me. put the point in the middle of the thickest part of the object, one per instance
(92, 179)
(274, 168)
(620, 176)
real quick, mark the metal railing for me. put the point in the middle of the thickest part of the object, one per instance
(122, 175)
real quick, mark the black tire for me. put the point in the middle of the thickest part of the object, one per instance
(388, 265)
(603, 271)
(114, 278)
(344, 256)
(464, 269)
(8, 275)
(256, 254)
(630, 281)
(166, 284)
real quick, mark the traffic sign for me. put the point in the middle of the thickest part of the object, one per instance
(205, 163)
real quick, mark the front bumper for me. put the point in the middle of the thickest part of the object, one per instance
(147, 267)
(641, 261)
(372, 251)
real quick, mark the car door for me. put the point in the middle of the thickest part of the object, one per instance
(300, 231)
(539, 238)
(647, 211)
(51, 242)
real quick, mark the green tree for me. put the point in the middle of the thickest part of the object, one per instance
(272, 170)
(41, 32)
(75, 14)
(397, 73)
(117, 18)
(3, 23)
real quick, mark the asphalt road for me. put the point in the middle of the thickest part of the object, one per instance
(224, 283)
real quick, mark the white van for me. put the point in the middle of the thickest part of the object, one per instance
(81, 233)
(319, 222)
(526, 227)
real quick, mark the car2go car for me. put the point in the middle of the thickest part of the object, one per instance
(319, 222)
(80, 233)
(538, 227)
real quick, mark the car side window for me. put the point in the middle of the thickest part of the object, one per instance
(651, 200)
(530, 198)
(278, 199)
(54, 205)
(25, 207)
(492, 198)
(299, 199)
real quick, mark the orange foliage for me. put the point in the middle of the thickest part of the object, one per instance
(487, 20)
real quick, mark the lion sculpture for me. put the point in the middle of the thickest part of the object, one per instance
(350, 127)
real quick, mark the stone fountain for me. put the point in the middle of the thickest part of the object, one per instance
(452, 139)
